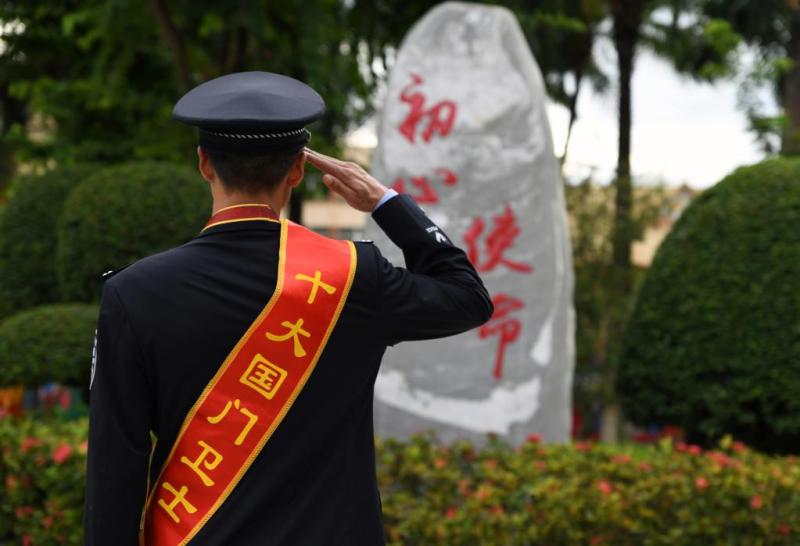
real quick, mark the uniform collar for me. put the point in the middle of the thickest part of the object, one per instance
(248, 212)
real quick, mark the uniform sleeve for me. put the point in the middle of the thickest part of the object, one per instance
(439, 293)
(119, 431)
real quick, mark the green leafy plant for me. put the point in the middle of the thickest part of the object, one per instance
(124, 213)
(591, 215)
(28, 237)
(713, 344)
(48, 343)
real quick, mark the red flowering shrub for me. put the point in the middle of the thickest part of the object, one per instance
(585, 493)
(42, 473)
(535, 495)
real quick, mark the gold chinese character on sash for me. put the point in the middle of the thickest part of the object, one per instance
(251, 419)
(202, 460)
(263, 376)
(295, 331)
(180, 498)
(316, 284)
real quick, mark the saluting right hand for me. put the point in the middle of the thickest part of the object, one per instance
(358, 188)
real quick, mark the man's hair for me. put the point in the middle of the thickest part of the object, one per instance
(253, 173)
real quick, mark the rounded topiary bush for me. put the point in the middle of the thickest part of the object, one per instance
(713, 343)
(124, 213)
(28, 237)
(48, 343)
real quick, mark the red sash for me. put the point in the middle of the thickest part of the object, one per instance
(254, 387)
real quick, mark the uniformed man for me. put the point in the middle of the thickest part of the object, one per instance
(231, 398)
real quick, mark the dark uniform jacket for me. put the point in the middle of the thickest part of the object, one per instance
(168, 322)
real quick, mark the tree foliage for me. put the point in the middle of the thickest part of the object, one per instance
(713, 344)
(591, 214)
(106, 74)
(772, 27)
(692, 49)
(94, 82)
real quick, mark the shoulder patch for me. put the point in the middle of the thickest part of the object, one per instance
(111, 272)
(94, 360)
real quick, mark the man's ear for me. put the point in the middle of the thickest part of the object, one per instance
(297, 171)
(205, 166)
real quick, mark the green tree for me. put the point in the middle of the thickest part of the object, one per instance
(562, 34)
(591, 213)
(700, 47)
(310, 41)
(773, 28)
(24, 31)
(105, 74)
(93, 82)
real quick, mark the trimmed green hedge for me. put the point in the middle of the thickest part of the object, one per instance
(536, 495)
(48, 343)
(124, 213)
(28, 237)
(713, 343)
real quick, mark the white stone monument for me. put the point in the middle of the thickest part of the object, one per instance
(464, 131)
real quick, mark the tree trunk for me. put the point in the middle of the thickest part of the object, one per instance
(573, 114)
(12, 112)
(627, 15)
(296, 207)
(791, 90)
(627, 22)
(610, 423)
(174, 41)
(233, 53)
(299, 193)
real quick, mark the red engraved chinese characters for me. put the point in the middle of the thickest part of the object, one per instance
(438, 118)
(425, 121)
(507, 328)
(426, 194)
(501, 238)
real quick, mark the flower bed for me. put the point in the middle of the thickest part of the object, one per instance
(42, 469)
(454, 495)
(587, 494)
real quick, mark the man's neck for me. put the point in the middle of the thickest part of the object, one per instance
(229, 200)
